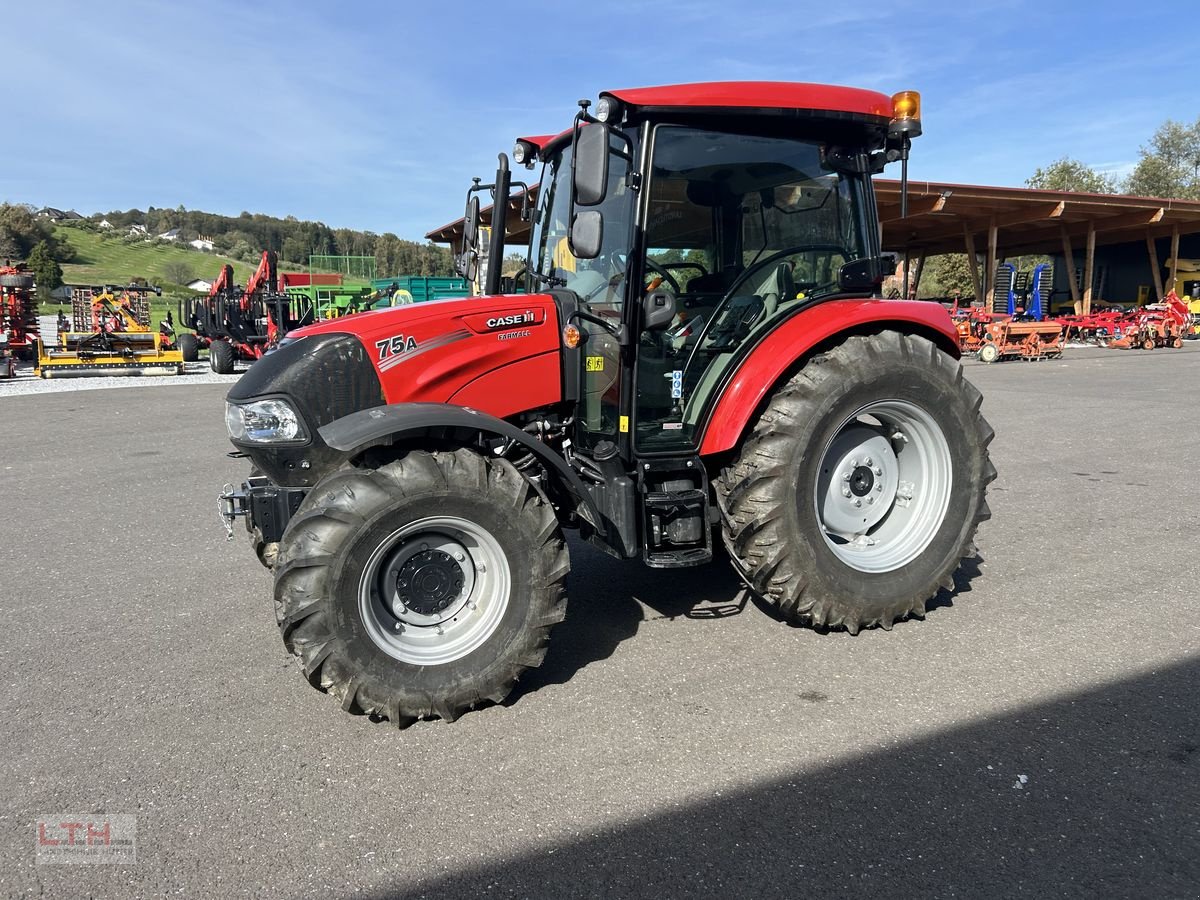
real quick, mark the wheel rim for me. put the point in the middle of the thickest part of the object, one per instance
(883, 486)
(434, 590)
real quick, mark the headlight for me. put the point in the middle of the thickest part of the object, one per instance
(264, 421)
(608, 110)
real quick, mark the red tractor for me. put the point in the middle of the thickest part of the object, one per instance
(18, 313)
(415, 468)
(236, 323)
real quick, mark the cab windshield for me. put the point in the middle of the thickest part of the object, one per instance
(599, 281)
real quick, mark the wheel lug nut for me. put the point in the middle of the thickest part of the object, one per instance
(481, 567)
(845, 476)
(845, 491)
(854, 464)
(867, 461)
(879, 486)
(870, 500)
(459, 557)
(858, 503)
(877, 470)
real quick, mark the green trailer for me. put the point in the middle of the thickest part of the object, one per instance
(417, 289)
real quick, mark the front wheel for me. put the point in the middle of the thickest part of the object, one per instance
(422, 588)
(860, 490)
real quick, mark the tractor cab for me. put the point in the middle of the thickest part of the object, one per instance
(678, 237)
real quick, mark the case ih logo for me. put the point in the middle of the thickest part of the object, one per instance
(525, 318)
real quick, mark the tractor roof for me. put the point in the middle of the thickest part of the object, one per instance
(748, 98)
(759, 96)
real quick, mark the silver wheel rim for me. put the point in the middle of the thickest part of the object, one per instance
(434, 591)
(883, 486)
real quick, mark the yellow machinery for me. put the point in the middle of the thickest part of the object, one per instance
(1187, 286)
(110, 336)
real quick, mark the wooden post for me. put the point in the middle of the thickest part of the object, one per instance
(1088, 262)
(1173, 262)
(1154, 267)
(973, 262)
(1069, 259)
(990, 274)
(916, 284)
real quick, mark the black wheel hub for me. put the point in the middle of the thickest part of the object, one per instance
(429, 582)
(862, 480)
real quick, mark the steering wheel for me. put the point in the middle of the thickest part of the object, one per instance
(666, 276)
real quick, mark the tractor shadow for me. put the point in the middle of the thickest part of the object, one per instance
(609, 599)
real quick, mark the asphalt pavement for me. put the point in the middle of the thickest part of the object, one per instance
(1038, 734)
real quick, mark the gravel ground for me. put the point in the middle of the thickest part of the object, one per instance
(26, 382)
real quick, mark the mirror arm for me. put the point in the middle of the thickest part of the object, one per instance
(620, 332)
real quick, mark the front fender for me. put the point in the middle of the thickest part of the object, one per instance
(359, 431)
(813, 330)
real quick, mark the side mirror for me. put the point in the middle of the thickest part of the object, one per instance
(860, 275)
(471, 223)
(589, 165)
(658, 310)
(587, 234)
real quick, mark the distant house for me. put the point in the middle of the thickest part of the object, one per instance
(105, 224)
(199, 284)
(49, 212)
(202, 244)
(172, 235)
(138, 229)
(71, 215)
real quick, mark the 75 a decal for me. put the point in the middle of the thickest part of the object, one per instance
(394, 346)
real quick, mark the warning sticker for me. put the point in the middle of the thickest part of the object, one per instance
(594, 363)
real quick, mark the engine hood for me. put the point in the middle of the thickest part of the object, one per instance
(499, 354)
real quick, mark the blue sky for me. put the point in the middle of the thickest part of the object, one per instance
(375, 115)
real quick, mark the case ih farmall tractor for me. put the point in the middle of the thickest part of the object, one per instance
(417, 467)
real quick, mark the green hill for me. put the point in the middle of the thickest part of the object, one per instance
(110, 261)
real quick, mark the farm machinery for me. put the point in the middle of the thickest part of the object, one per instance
(995, 336)
(1154, 326)
(414, 469)
(109, 334)
(241, 323)
(18, 316)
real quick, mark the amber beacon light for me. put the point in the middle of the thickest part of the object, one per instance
(906, 113)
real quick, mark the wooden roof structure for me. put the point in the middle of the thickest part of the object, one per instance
(996, 221)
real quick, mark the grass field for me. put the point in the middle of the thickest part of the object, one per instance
(99, 261)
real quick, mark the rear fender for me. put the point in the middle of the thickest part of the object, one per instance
(812, 331)
(383, 425)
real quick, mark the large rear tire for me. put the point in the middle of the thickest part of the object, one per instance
(422, 588)
(860, 490)
(221, 357)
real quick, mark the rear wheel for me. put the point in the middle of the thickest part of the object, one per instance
(189, 346)
(860, 490)
(422, 588)
(989, 353)
(221, 357)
